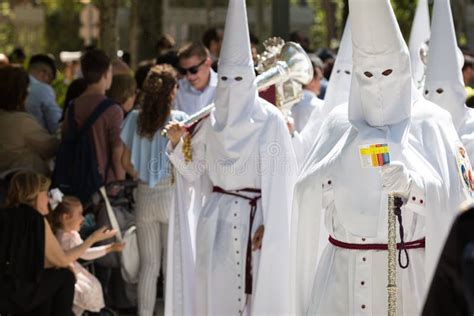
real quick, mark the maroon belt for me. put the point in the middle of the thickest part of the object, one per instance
(402, 246)
(253, 210)
(415, 244)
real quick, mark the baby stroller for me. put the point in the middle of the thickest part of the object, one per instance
(113, 270)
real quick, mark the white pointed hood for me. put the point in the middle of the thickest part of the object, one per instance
(236, 91)
(340, 81)
(381, 92)
(444, 82)
(420, 34)
(238, 116)
(337, 93)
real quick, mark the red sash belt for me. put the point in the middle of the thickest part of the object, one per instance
(416, 244)
(253, 210)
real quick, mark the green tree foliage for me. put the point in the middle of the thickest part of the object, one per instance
(6, 37)
(6, 28)
(62, 26)
(404, 10)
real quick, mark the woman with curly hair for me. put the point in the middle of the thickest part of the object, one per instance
(145, 159)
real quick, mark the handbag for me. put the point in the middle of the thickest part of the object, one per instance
(129, 258)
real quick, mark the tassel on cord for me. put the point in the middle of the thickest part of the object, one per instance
(187, 149)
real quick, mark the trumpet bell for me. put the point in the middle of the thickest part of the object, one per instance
(291, 63)
(299, 65)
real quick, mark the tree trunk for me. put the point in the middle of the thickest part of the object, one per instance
(133, 34)
(209, 12)
(459, 9)
(259, 21)
(108, 38)
(331, 23)
(150, 13)
(281, 18)
(345, 14)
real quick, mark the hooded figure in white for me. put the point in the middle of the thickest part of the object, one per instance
(337, 93)
(419, 35)
(384, 108)
(444, 82)
(244, 144)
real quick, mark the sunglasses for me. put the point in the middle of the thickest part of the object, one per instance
(192, 70)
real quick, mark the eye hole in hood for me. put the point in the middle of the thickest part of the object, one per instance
(440, 90)
(387, 72)
(368, 74)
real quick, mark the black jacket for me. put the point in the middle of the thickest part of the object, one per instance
(449, 293)
(21, 255)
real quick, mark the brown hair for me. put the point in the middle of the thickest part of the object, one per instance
(468, 62)
(193, 49)
(94, 65)
(119, 67)
(65, 207)
(156, 99)
(14, 82)
(212, 34)
(24, 188)
(123, 87)
(164, 43)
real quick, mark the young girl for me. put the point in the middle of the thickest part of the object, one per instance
(66, 220)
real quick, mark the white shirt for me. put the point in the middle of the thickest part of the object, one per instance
(190, 100)
(41, 103)
(302, 110)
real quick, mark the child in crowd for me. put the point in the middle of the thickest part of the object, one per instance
(66, 220)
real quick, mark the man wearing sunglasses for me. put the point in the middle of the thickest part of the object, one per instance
(198, 85)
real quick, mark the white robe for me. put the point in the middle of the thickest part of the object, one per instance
(353, 282)
(302, 110)
(217, 287)
(337, 93)
(444, 84)
(466, 131)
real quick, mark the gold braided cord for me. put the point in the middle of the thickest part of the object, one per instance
(187, 149)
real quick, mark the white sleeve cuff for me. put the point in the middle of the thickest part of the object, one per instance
(177, 149)
(175, 154)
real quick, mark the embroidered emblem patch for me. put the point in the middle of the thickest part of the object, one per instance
(465, 170)
(374, 155)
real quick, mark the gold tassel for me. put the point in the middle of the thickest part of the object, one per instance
(187, 149)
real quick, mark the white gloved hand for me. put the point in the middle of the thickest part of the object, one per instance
(396, 179)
